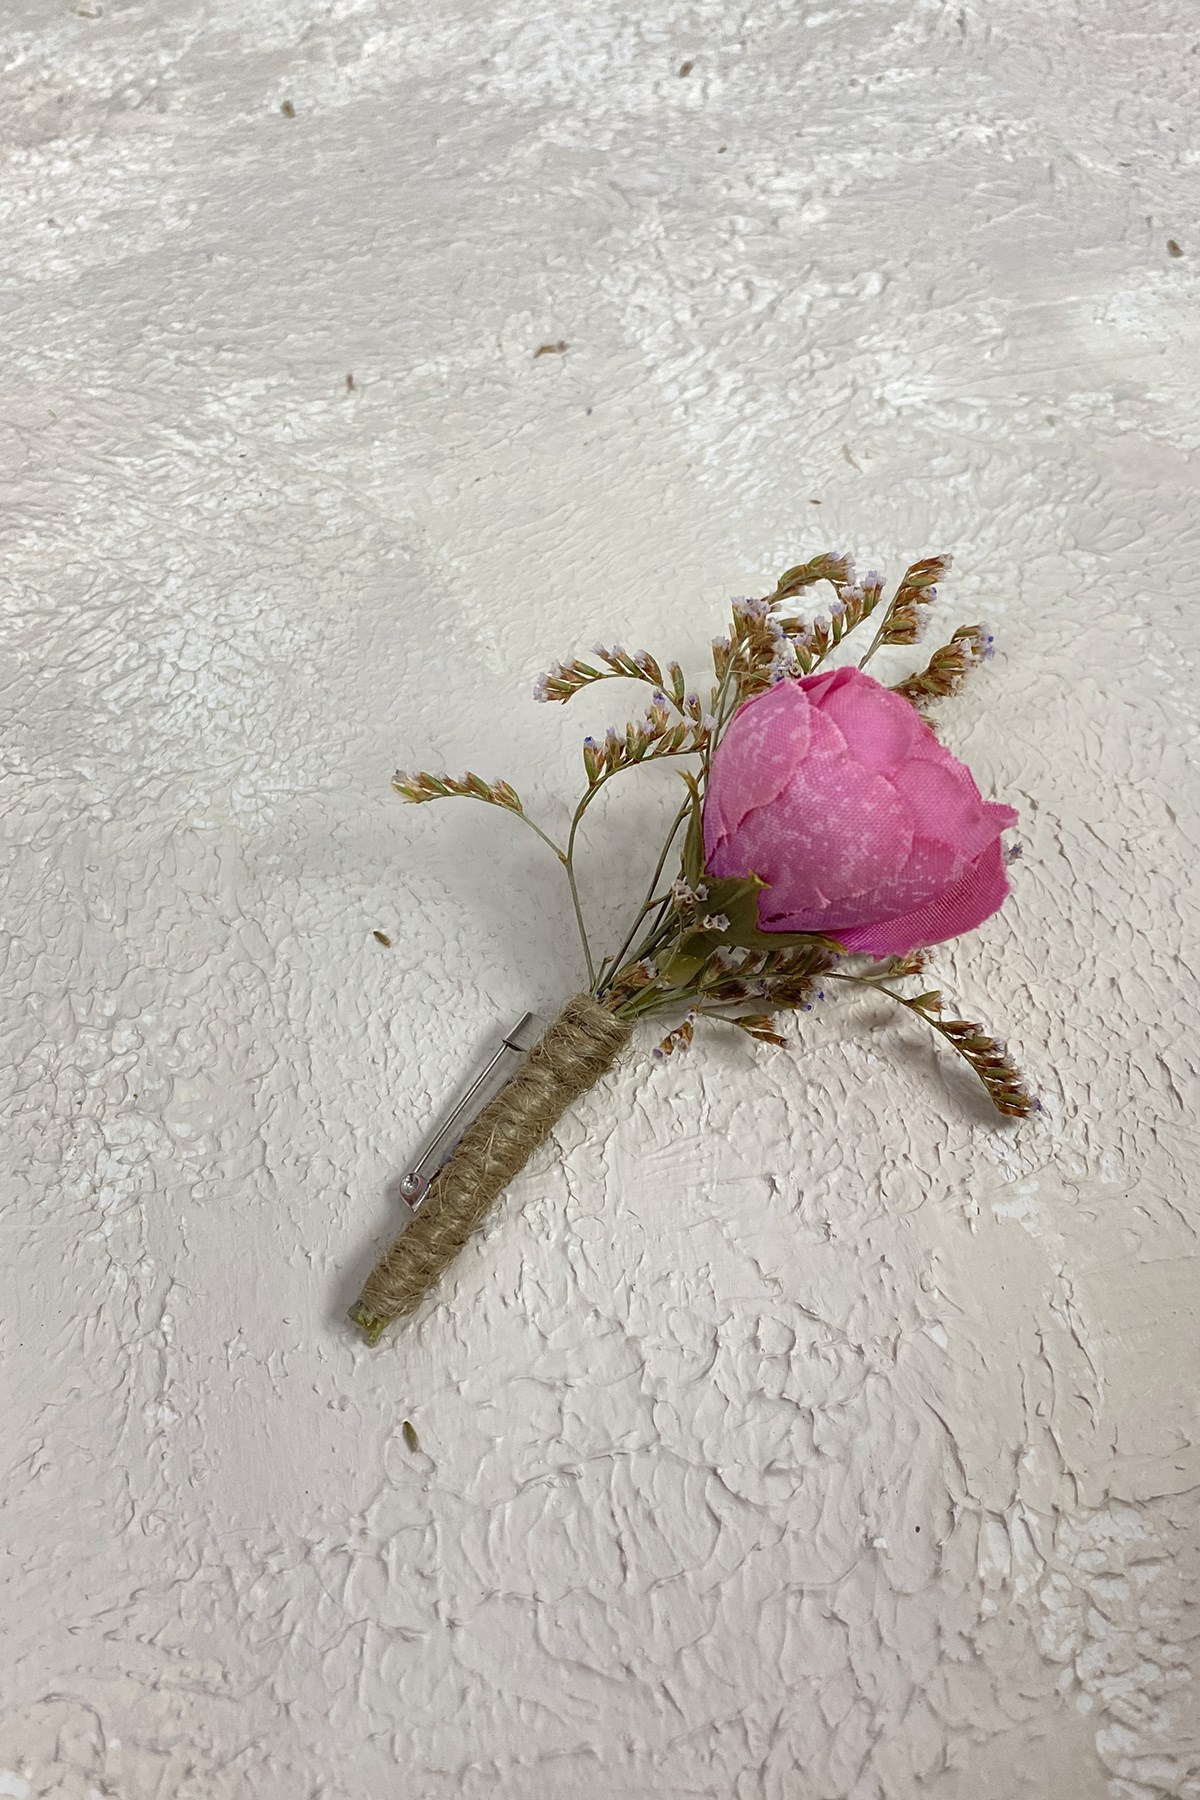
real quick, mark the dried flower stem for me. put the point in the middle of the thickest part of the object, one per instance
(987, 1058)
(947, 668)
(904, 619)
(422, 787)
(577, 820)
(613, 963)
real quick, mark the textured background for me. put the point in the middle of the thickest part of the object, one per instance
(797, 1433)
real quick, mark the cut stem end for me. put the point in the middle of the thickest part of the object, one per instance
(371, 1326)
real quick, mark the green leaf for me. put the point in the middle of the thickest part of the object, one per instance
(693, 843)
(684, 966)
(791, 940)
(737, 897)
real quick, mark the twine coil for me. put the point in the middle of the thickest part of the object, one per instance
(573, 1053)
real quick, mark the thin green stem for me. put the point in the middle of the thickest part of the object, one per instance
(657, 934)
(662, 930)
(874, 981)
(569, 862)
(564, 857)
(875, 642)
(568, 856)
(719, 699)
(652, 1000)
(583, 936)
(879, 983)
(569, 865)
(650, 902)
(558, 851)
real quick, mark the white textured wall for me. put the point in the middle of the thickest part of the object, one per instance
(797, 1433)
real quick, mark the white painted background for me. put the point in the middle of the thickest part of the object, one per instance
(798, 1433)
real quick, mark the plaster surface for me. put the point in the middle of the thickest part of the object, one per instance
(797, 1432)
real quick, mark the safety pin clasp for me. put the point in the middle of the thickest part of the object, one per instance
(516, 1045)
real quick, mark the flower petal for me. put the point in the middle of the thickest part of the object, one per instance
(883, 729)
(760, 749)
(978, 893)
(826, 846)
(946, 805)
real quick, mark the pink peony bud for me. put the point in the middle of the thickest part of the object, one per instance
(838, 795)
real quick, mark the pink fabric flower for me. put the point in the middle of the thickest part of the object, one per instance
(838, 795)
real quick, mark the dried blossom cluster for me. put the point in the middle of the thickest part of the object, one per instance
(947, 668)
(664, 731)
(423, 786)
(906, 616)
(565, 679)
(767, 644)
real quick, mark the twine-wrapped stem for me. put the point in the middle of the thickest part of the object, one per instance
(582, 1045)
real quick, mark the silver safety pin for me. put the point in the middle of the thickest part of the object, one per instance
(487, 1084)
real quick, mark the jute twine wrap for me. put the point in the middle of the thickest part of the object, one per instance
(582, 1045)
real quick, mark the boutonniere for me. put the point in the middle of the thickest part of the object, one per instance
(824, 838)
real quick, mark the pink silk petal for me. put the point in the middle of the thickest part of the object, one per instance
(827, 845)
(978, 893)
(883, 728)
(818, 687)
(763, 743)
(835, 792)
(945, 805)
